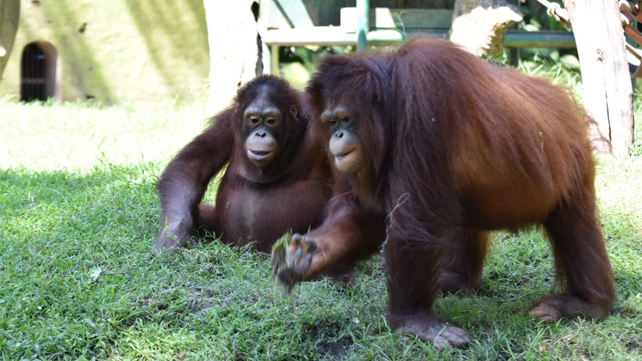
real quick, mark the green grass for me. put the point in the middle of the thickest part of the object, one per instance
(77, 194)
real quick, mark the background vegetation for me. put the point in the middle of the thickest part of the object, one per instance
(78, 214)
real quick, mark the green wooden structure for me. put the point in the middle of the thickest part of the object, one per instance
(376, 22)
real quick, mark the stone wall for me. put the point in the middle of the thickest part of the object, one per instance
(117, 52)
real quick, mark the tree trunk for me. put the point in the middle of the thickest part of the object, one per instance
(9, 17)
(480, 25)
(235, 48)
(608, 93)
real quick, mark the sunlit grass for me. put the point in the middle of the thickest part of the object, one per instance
(79, 136)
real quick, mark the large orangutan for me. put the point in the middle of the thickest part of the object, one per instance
(277, 179)
(450, 148)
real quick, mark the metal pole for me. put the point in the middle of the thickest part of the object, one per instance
(363, 23)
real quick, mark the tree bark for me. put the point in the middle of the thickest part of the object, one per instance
(235, 48)
(607, 93)
(9, 17)
(480, 25)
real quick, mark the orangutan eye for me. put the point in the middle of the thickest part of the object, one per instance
(345, 120)
(331, 123)
(254, 120)
(271, 121)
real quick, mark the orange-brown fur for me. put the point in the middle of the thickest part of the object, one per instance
(253, 204)
(457, 147)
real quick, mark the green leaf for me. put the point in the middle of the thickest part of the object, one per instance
(570, 62)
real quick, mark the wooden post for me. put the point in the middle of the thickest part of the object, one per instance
(275, 69)
(235, 55)
(608, 95)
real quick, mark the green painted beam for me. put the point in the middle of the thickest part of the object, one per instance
(331, 36)
(363, 23)
(422, 18)
(539, 39)
(327, 37)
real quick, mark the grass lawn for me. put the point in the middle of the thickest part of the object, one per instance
(78, 215)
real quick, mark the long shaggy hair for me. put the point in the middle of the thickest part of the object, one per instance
(466, 146)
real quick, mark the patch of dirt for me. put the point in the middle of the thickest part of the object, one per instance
(329, 347)
(634, 347)
(336, 349)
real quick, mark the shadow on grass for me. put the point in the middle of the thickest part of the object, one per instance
(58, 228)
(77, 280)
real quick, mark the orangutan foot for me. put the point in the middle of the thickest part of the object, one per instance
(556, 306)
(431, 329)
